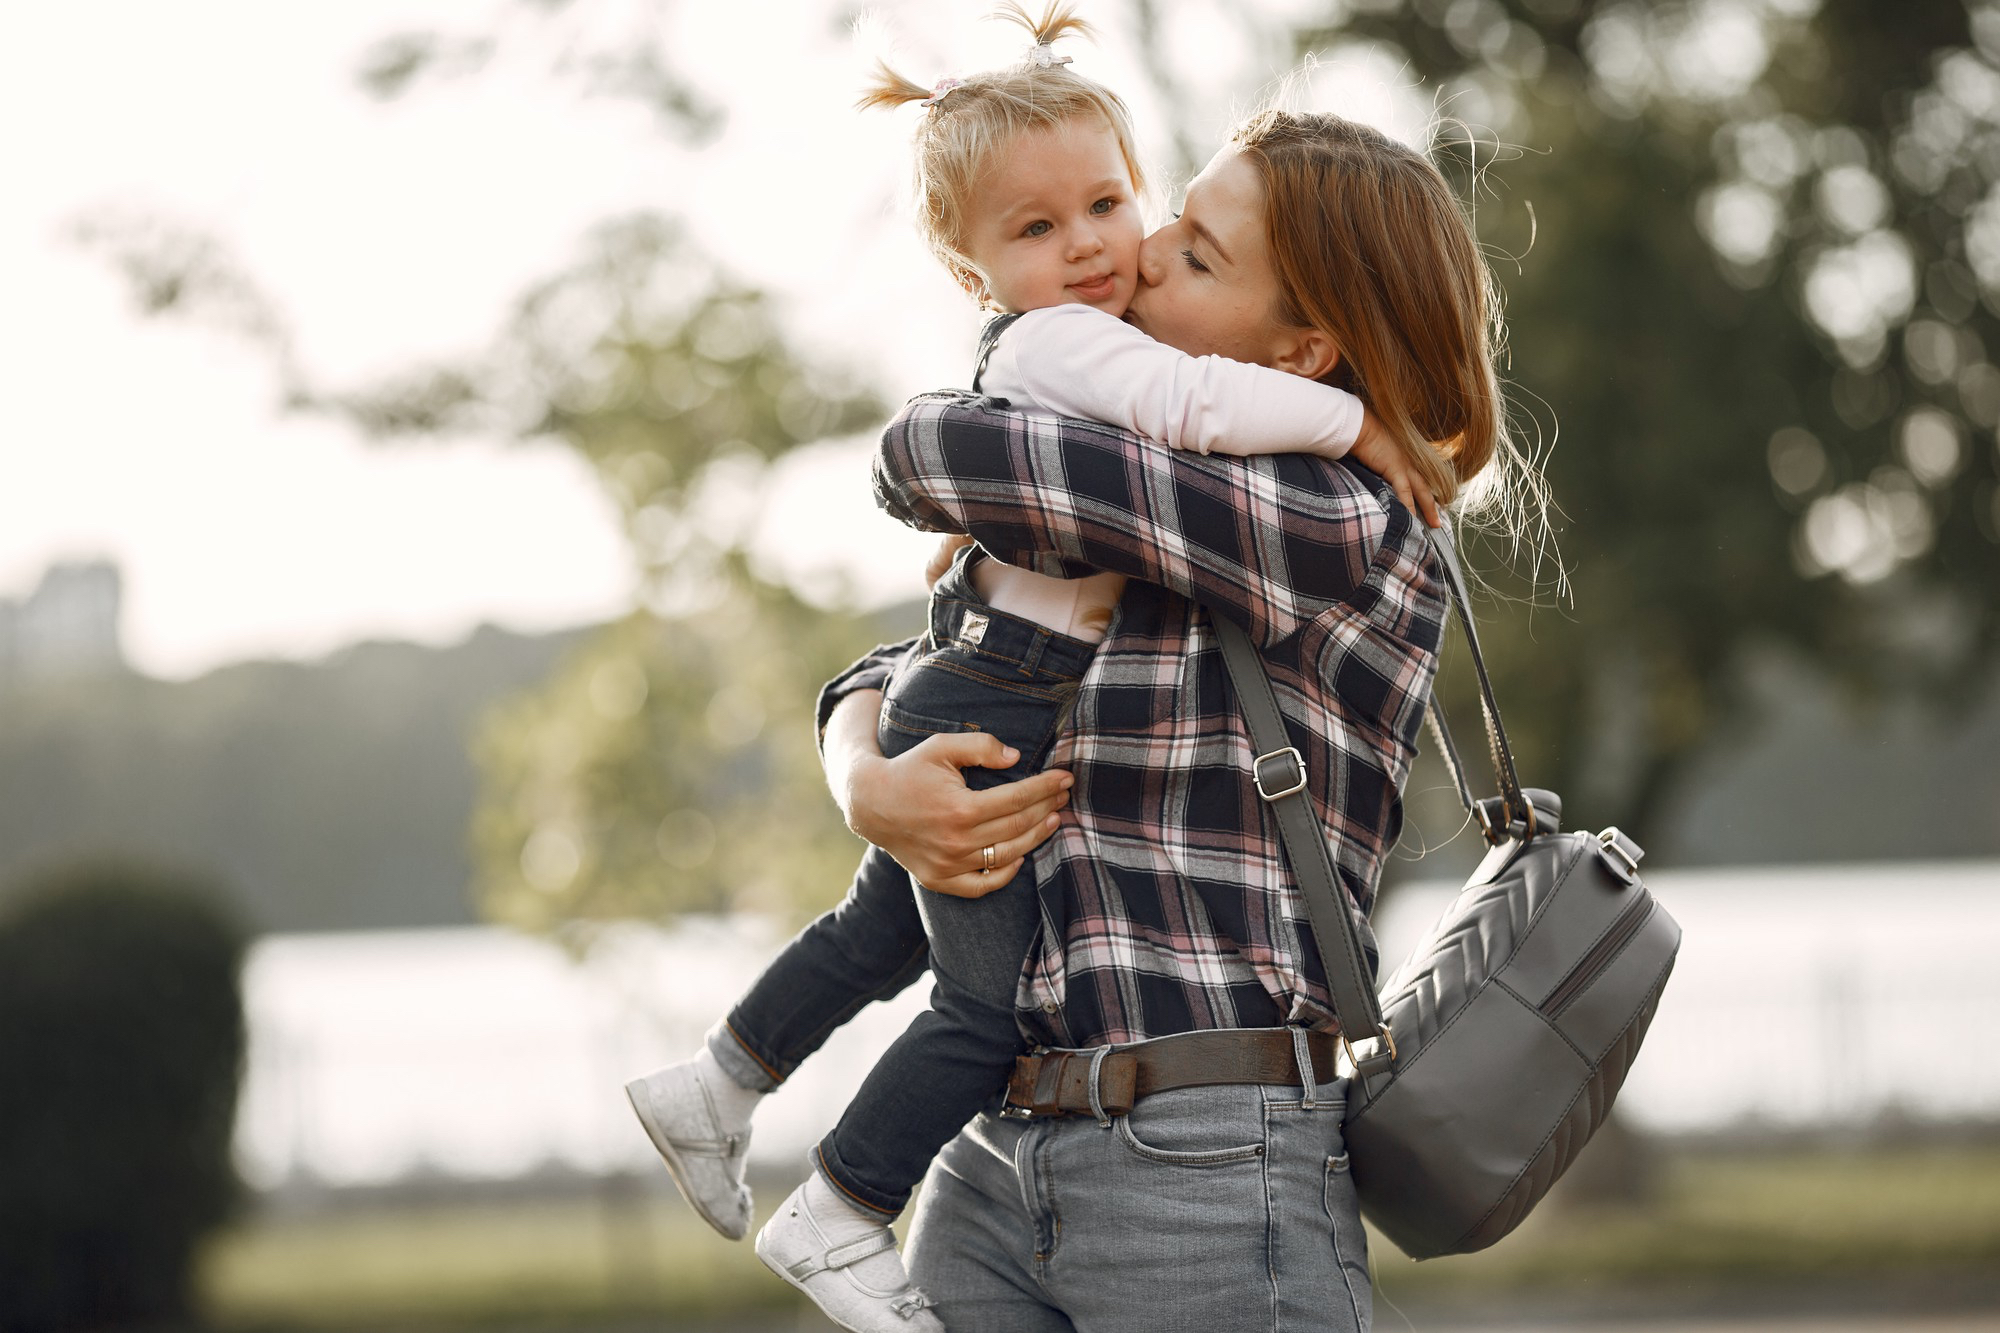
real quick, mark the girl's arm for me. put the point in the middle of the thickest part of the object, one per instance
(1075, 361)
(1272, 541)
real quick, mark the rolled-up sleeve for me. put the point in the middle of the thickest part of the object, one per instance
(870, 672)
(1275, 540)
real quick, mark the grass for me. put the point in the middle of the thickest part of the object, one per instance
(441, 1266)
(1909, 1216)
(1879, 1219)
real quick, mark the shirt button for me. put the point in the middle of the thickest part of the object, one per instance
(1050, 1007)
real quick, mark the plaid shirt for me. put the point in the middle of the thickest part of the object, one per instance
(1167, 900)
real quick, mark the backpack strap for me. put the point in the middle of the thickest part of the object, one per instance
(1279, 774)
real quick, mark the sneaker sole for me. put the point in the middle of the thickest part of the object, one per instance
(636, 1095)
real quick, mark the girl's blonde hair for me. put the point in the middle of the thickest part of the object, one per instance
(1370, 246)
(983, 114)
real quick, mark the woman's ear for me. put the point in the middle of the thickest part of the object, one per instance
(1306, 352)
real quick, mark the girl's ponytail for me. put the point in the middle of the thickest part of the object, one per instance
(1059, 19)
(886, 88)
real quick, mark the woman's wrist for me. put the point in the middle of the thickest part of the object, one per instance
(849, 748)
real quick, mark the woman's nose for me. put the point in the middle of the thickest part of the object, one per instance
(1150, 264)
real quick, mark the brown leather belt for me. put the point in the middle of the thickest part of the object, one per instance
(1051, 1083)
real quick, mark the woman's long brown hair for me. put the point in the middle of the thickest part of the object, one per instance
(1370, 246)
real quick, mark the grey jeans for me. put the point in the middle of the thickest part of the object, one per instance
(1206, 1209)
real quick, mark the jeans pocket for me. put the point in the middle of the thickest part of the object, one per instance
(1184, 1156)
(1195, 1127)
(939, 695)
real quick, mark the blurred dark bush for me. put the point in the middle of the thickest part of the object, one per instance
(121, 1051)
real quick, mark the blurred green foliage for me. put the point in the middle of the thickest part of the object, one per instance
(1748, 249)
(668, 765)
(122, 1042)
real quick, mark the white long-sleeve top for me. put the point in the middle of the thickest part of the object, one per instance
(1076, 361)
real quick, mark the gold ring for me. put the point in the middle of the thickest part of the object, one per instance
(985, 859)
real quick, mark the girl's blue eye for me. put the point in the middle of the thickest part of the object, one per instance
(1037, 229)
(1194, 263)
(1104, 206)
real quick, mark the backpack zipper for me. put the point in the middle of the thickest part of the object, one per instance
(1601, 953)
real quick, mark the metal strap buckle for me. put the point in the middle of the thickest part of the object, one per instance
(1298, 764)
(1613, 842)
(1376, 1063)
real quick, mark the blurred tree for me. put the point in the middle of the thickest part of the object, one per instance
(1751, 250)
(668, 767)
(122, 1037)
(616, 50)
(668, 764)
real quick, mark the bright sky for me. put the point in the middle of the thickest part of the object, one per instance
(403, 231)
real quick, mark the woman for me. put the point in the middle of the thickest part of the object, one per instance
(1194, 1177)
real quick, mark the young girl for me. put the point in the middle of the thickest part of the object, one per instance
(1027, 190)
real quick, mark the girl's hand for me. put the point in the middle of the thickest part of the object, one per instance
(948, 546)
(917, 808)
(1374, 450)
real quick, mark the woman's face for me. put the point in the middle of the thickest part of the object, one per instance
(1205, 280)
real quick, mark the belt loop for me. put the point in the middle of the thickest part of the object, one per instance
(1302, 1053)
(1097, 1058)
(1031, 660)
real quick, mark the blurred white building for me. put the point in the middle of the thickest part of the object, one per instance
(68, 626)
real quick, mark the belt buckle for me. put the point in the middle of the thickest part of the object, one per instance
(1022, 1086)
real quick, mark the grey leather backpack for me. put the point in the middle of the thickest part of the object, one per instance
(1495, 1050)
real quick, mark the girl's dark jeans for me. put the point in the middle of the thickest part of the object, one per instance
(977, 670)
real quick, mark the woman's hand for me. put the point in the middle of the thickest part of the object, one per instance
(948, 546)
(1375, 450)
(917, 808)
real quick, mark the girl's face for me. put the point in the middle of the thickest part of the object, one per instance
(1205, 279)
(1056, 223)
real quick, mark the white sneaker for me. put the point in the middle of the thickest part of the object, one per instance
(704, 1151)
(846, 1261)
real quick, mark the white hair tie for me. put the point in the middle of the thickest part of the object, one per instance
(1043, 56)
